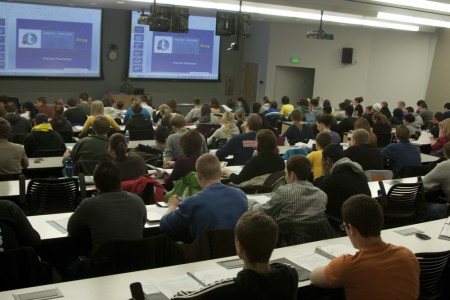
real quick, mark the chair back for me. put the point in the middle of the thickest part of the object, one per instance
(401, 203)
(18, 138)
(120, 256)
(142, 134)
(66, 136)
(52, 195)
(87, 167)
(432, 267)
(274, 181)
(48, 153)
(378, 175)
(207, 129)
(219, 143)
(21, 268)
(300, 232)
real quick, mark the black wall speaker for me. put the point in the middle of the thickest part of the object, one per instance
(347, 55)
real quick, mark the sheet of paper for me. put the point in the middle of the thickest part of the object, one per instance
(235, 169)
(261, 199)
(408, 231)
(207, 277)
(309, 261)
(149, 288)
(170, 287)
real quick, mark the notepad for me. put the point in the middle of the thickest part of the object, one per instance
(445, 232)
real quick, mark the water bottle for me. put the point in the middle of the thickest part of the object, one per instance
(127, 136)
(68, 168)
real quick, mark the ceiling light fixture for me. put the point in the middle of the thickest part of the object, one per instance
(422, 4)
(290, 12)
(413, 20)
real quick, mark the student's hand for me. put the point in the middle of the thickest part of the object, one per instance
(173, 203)
(244, 126)
(66, 153)
(169, 164)
(225, 172)
(160, 172)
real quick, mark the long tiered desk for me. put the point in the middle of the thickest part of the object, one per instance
(117, 286)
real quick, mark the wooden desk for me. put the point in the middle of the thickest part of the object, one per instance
(117, 286)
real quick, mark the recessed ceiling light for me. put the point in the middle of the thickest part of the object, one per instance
(413, 20)
(422, 4)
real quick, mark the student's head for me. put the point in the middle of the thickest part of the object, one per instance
(410, 110)
(266, 99)
(315, 102)
(178, 121)
(161, 134)
(342, 105)
(214, 103)
(205, 110)
(101, 125)
(208, 167)
(421, 103)
(107, 176)
(118, 146)
(273, 104)
(324, 122)
(196, 101)
(379, 118)
(296, 116)
(333, 152)
(107, 101)
(303, 102)
(256, 107)
(409, 119)
(84, 97)
(349, 110)
(266, 142)
(136, 105)
(401, 104)
(327, 109)
(97, 108)
(376, 107)
(447, 106)
(5, 129)
(230, 103)
(164, 109)
(59, 101)
(363, 213)
(359, 100)
(254, 122)
(397, 113)
(40, 118)
(58, 111)
(362, 123)
(300, 166)
(444, 126)
(27, 106)
(402, 133)
(323, 139)
(11, 108)
(172, 103)
(446, 150)
(369, 109)
(384, 104)
(120, 104)
(438, 117)
(227, 117)
(41, 100)
(326, 102)
(285, 100)
(191, 143)
(256, 236)
(240, 115)
(360, 137)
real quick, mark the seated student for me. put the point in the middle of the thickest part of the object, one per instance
(378, 270)
(347, 123)
(298, 131)
(256, 236)
(402, 153)
(417, 118)
(75, 115)
(130, 111)
(215, 106)
(13, 157)
(18, 123)
(342, 178)
(138, 121)
(397, 117)
(108, 102)
(131, 166)
(446, 110)
(240, 119)
(437, 118)
(111, 215)
(84, 105)
(363, 124)
(173, 146)
(97, 110)
(382, 129)
(412, 126)
(425, 114)
(266, 161)
(368, 114)
(227, 130)
(194, 113)
(273, 109)
(286, 107)
(15, 229)
(191, 143)
(241, 146)
(444, 136)
(42, 137)
(323, 139)
(299, 200)
(28, 110)
(43, 108)
(340, 115)
(361, 152)
(92, 147)
(161, 135)
(385, 110)
(60, 123)
(439, 177)
(217, 206)
(206, 117)
(323, 125)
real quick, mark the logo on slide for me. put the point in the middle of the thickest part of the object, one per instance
(29, 38)
(163, 44)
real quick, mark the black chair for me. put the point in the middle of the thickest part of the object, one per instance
(53, 195)
(120, 256)
(21, 268)
(142, 135)
(66, 136)
(18, 138)
(219, 143)
(270, 184)
(48, 153)
(207, 129)
(410, 171)
(432, 268)
(87, 167)
(300, 232)
(400, 205)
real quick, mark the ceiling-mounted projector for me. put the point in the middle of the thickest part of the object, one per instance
(320, 34)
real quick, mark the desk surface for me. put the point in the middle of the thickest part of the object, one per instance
(117, 286)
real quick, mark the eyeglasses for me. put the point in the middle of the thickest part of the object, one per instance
(343, 227)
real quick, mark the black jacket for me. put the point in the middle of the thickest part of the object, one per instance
(18, 124)
(367, 156)
(39, 140)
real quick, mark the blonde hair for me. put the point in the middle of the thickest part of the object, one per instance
(240, 115)
(364, 124)
(228, 122)
(445, 125)
(97, 108)
(165, 110)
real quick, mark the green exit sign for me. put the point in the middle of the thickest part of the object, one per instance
(295, 60)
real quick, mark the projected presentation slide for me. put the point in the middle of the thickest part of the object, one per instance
(49, 41)
(166, 55)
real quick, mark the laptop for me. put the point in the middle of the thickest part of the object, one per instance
(310, 118)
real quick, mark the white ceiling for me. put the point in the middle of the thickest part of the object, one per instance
(367, 8)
